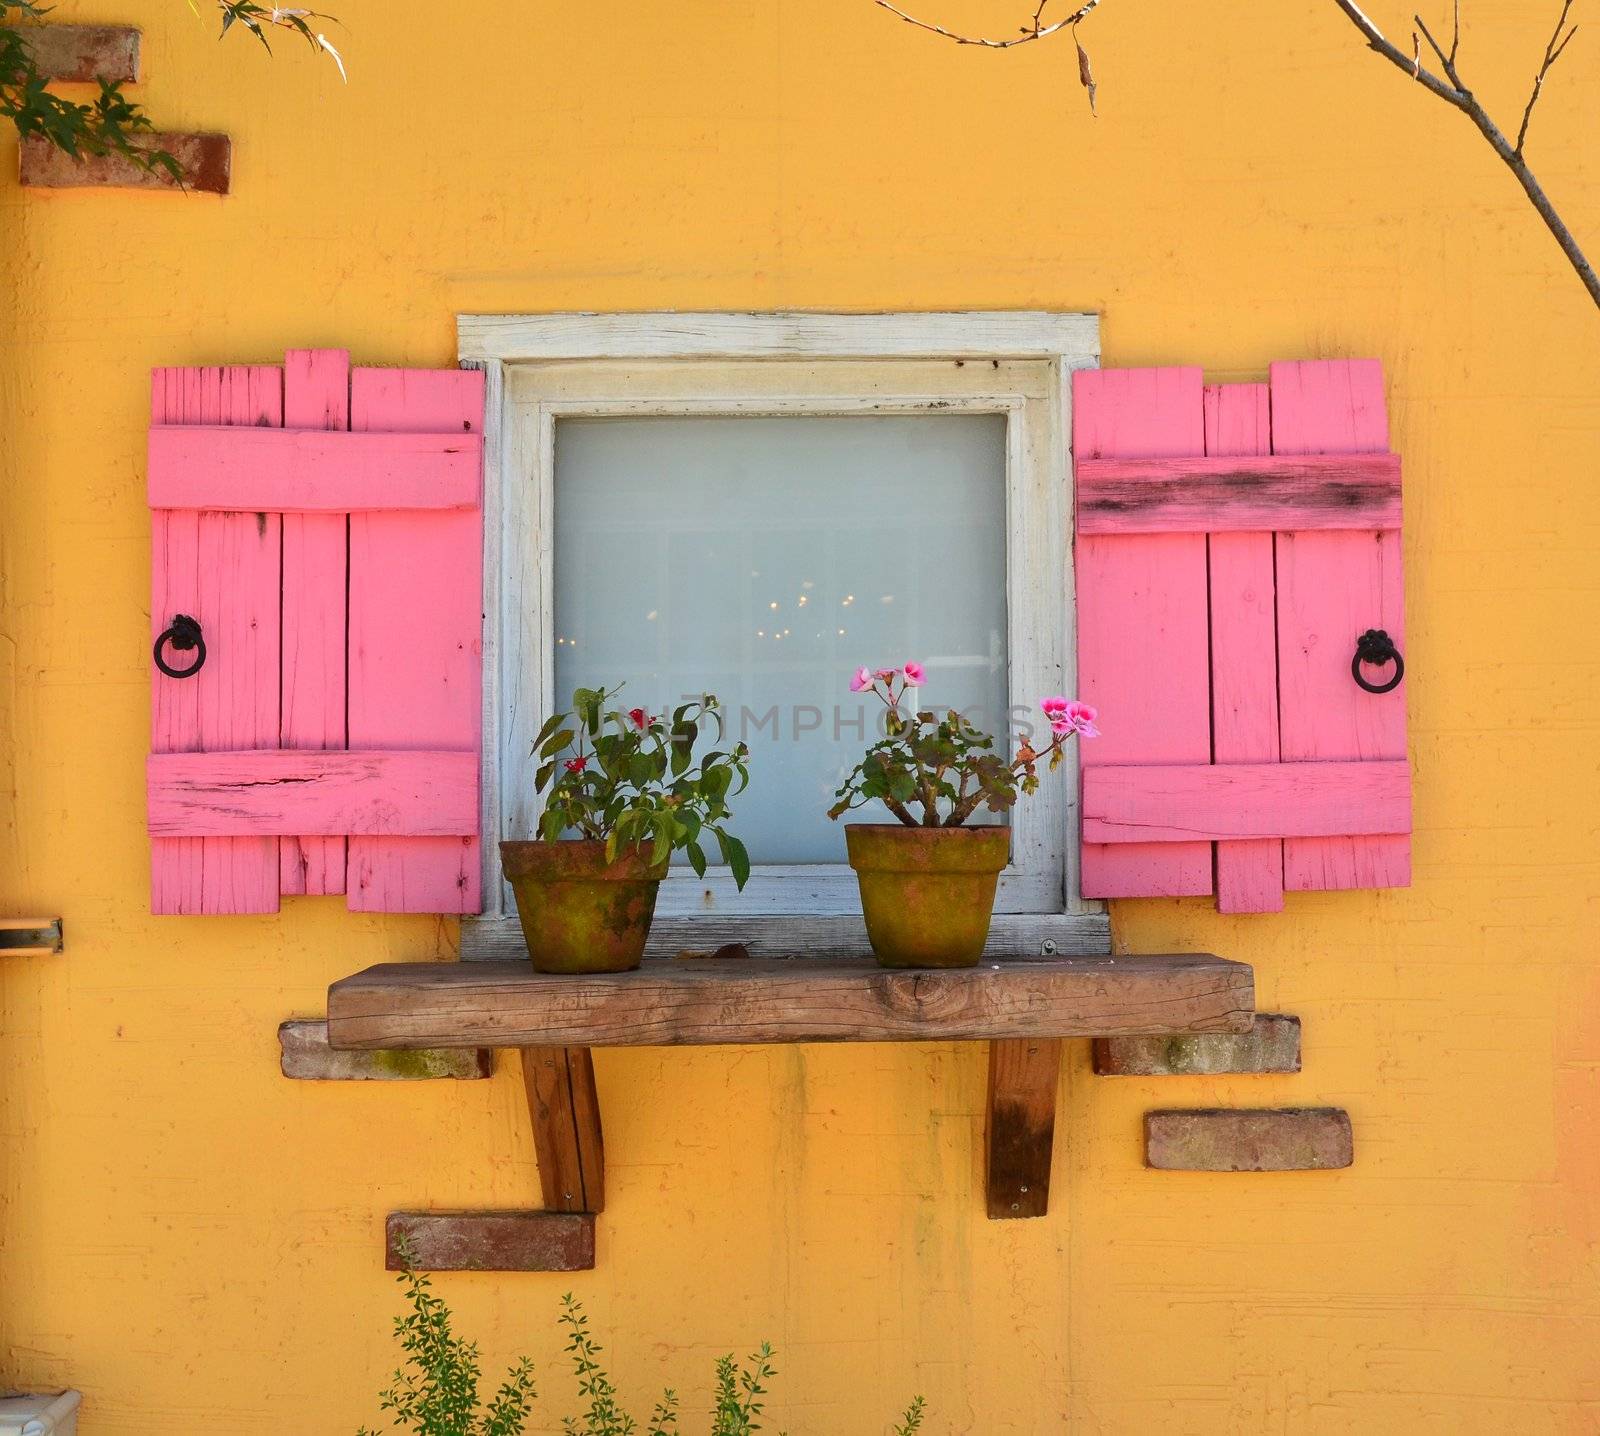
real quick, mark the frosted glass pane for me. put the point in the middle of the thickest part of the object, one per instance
(764, 559)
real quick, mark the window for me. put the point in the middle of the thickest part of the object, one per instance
(758, 526)
(763, 559)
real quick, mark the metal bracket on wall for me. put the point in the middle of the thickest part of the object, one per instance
(25, 936)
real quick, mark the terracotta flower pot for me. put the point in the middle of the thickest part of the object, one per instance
(580, 913)
(927, 893)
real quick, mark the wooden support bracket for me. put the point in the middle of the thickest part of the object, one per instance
(565, 1109)
(27, 936)
(1024, 1077)
(1022, 1008)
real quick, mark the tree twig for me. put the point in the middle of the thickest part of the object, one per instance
(1552, 53)
(1030, 33)
(1453, 91)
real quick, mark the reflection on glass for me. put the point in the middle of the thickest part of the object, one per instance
(764, 559)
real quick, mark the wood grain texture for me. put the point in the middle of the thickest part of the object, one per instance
(993, 334)
(1244, 650)
(205, 160)
(304, 1054)
(303, 471)
(489, 1241)
(1245, 800)
(1238, 495)
(222, 569)
(1331, 588)
(1024, 1077)
(416, 638)
(316, 395)
(272, 793)
(756, 1000)
(82, 54)
(565, 1110)
(1011, 935)
(1296, 1139)
(1271, 1045)
(1143, 656)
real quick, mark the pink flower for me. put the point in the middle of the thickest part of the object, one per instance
(640, 718)
(862, 680)
(576, 765)
(1054, 707)
(1076, 718)
(916, 675)
(888, 674)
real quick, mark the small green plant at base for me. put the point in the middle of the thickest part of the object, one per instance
(436, 1392)
(438, 1395)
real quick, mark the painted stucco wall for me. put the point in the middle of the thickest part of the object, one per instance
(196, 1242)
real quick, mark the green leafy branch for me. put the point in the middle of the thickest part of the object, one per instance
(111, 123)
(631, 780)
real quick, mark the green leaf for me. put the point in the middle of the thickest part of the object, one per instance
(697, 857)
(734, 854)
(555, 742)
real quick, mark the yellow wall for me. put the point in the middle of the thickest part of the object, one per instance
(195, 1242)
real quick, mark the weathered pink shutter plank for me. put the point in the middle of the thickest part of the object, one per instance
(1244, 668)
(1142, 648)
(316, 395)
(415, 652)
(310, 471)
(1331, 588)
(222, 569)
(1223, 802)
(1256, 493)
(221, 794)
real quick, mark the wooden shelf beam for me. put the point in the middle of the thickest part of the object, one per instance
(755, 1000)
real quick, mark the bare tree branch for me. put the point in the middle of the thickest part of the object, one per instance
(1036, 31)
(1552, 53)
(1448, 86)
(1453, 91)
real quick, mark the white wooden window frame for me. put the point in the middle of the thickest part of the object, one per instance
(541, 368)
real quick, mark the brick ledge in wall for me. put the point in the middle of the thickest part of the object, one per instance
(307, 1057)
(82, 54)
(1271, 1045)
(206, 161)
(1291, 1139)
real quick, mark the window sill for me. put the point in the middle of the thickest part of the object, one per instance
(1011, 935)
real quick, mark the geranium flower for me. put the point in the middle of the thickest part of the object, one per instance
(862, 680)
(1054, 707)
(888, 674)
(640, 718)
(576, 765)
(1076, 718)
(916, 675)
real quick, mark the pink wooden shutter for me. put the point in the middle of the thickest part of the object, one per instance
(1233, 543)
(325, 530)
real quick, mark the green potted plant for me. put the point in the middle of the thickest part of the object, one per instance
(628, 786)
(928, 883)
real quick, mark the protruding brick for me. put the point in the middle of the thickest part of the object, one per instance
(1271, 1045)
(490, 1241)
(82, 54)
(1294, 1139)
(206, 162)
(307, 1056)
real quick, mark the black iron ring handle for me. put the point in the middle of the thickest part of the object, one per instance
(183, 634)
(1376, 647)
